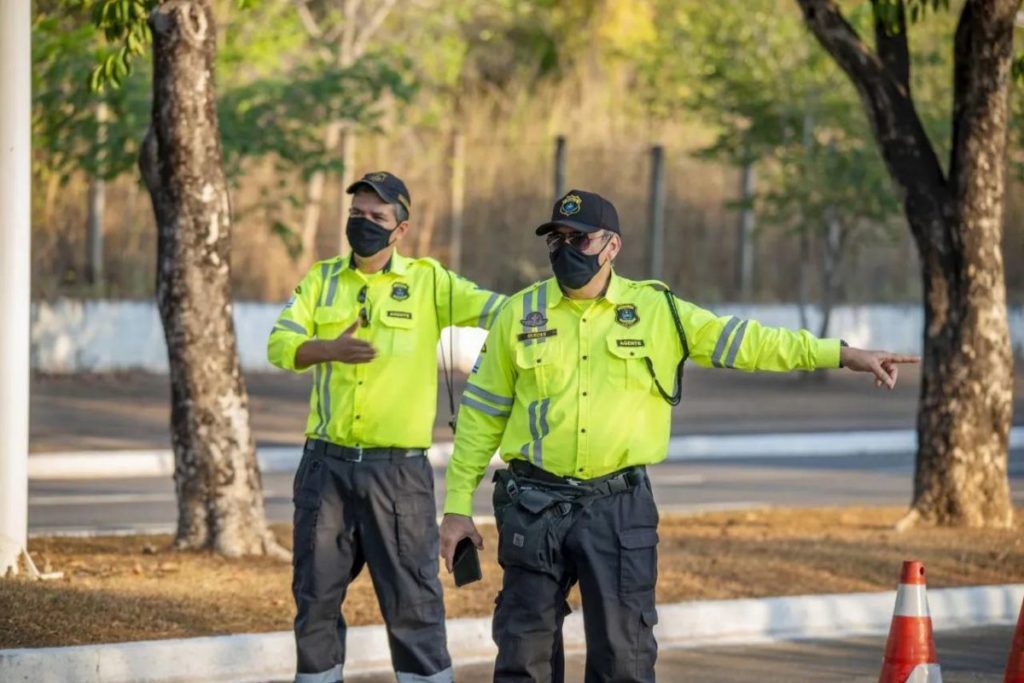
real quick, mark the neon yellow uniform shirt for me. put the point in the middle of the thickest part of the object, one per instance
(566, 386)
(392, 400)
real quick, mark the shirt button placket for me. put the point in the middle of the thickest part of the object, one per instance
(584, 403)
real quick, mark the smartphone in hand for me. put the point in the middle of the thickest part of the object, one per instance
(466, 563)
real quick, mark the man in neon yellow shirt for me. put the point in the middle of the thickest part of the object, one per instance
(368, 325)
(570, 390)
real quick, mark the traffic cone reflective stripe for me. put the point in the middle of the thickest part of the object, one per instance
(910, 649)
(1015, 663)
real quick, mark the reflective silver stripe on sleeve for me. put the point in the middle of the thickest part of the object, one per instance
(484, 408)
(493, 398)
(734, 349)
(485, 313)
(292, 325)
(327, 399)
(716, 357)
(527, 309)
(333, 288)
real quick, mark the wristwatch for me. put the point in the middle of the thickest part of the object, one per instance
(842, 343)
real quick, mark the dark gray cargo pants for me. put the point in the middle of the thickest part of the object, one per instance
(381, 514)
(548, 539)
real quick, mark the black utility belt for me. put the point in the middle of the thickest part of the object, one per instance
(349, 454)
(622, 480)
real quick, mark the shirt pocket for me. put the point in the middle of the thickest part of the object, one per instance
(397, 331)
(542, 371)
(628, 365)
(330, 322)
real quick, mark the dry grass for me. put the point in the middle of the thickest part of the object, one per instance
(135, 588)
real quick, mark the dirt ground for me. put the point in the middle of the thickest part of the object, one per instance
(136, 588)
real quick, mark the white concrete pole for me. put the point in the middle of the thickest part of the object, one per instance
(15, 237)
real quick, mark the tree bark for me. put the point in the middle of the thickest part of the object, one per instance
(220, 499)
(965, 405)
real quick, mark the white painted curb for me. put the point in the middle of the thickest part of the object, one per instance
(160, 463)
(271, 656)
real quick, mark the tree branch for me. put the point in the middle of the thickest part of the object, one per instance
(891, 43)
(905, 147)
(371, 27)
(308, 22)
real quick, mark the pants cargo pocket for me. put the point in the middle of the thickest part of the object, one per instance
(416, 530)
(307, 492)
(646, 645)
(638, 560)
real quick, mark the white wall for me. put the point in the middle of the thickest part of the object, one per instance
(100, 336)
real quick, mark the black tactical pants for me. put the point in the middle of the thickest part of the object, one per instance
(379, 513)
(550, 537)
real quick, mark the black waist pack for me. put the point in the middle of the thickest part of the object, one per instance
(529, 522)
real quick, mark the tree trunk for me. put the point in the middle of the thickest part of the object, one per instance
(220, 498)
(314, 201)
(97, 198)
(348, 167)
(831, 277)
(967, 379)
(967, 375)
(96, 210)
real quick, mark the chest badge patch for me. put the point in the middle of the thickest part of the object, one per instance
(535, 319)
(626, 315)
(399, 291)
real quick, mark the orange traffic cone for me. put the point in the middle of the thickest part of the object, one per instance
(1015, 664)
(910, 650)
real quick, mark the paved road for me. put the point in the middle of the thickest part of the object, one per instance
(130, 411)
(975, 655)
(148, 504)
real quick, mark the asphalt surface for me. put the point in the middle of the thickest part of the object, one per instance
(976, 655)
(131, 410)
(133, 505)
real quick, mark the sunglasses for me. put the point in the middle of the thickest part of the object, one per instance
(364, 315)
(576, 239)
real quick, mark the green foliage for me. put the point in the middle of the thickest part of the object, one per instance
(65, 131)
(281, 116)
(774, 98)
(123, 23)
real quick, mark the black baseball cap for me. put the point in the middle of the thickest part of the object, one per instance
(389, 186)
(583, 211)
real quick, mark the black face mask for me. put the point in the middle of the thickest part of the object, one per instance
(366, 237)
(573, 268)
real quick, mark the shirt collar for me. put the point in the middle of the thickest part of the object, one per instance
(614, 294)
(397, 264)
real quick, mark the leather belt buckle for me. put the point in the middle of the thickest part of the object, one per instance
(359, 454)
